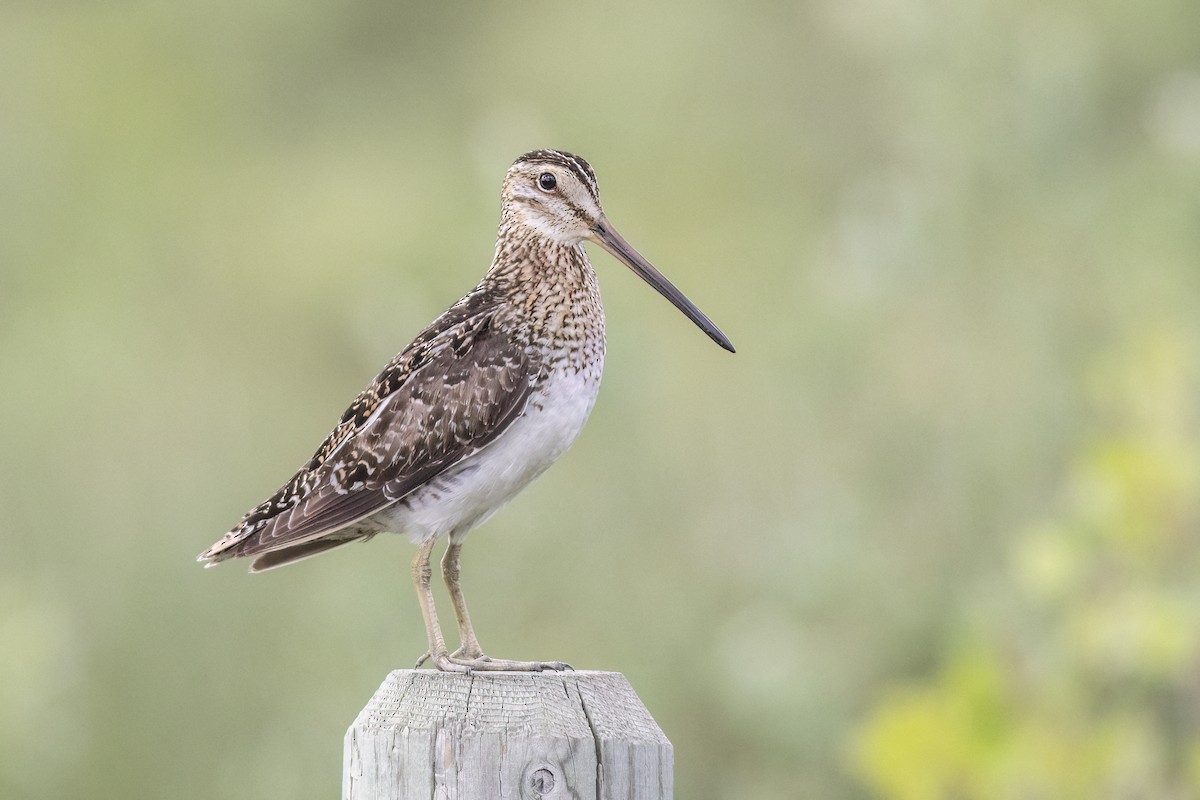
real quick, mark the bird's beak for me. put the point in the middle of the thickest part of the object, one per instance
(607, 237)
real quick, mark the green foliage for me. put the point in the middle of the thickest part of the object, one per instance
(1076, 671)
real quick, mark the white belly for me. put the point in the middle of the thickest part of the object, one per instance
(465, 495)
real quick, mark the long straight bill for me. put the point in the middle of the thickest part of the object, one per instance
(607, 237)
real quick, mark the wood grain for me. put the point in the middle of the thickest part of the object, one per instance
(428, 735)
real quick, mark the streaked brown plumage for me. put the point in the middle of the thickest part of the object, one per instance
(478, 405)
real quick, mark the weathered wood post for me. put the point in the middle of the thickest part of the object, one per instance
(429, 735)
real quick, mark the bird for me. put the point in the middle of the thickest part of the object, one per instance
(481, 402)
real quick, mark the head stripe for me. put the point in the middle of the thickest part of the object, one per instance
(574, 163)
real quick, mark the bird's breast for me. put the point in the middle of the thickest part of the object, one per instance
(466, 494)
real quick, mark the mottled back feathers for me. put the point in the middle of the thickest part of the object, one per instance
(459, 384)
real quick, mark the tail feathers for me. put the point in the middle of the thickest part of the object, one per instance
(299, 552)
(219, 551)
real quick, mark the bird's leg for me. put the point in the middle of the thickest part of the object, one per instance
(470, 655)
(422, 578)
(468, 645)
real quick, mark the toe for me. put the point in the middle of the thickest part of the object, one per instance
(447, 664)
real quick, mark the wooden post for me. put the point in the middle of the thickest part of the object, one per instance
(429, 735)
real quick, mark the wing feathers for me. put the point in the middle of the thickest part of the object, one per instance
(449, 394)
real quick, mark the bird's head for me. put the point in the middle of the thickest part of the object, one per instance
(555, 194)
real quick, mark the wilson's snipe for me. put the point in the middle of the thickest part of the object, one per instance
(481, 402)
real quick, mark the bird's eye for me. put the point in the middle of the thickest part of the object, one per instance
(547, 181)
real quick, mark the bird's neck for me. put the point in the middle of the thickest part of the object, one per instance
(550, 283)
(525, 256)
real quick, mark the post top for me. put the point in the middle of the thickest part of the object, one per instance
(549, 673)
(581, 735)
(574, 704)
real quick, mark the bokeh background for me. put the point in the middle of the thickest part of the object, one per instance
(931, 533)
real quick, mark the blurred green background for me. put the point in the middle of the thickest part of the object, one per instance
(931, 533)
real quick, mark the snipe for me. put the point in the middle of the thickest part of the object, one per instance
(480, 404)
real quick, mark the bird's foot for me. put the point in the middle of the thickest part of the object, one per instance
(460, 653)
(458, 661)
(445, 662)
(484, 663)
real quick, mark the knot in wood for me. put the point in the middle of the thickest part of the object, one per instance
(542, 781)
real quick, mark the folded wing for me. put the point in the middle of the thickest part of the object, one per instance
(449, 394)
